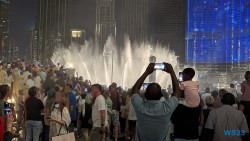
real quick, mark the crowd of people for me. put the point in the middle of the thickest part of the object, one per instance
(47, 102)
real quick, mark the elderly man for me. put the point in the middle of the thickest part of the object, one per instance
(153, 115)
(226, 123)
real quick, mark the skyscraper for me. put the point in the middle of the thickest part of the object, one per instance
(167, 20)
(33, 52)
(105, 21)
(4, 29)
(218, 32)
(52, 26)
(135, 20)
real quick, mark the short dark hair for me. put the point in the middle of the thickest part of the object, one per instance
(70, 86)
(232, 85)
(33, 91)
(190, 72)
(3, 91)
(215, 93)
(228, 99)
(98, 86)
(29, 77)
(153, 92)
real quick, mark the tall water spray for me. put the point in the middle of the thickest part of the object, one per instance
(121, 66)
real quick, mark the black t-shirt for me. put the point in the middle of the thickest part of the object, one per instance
(33, 108)
(186, 122)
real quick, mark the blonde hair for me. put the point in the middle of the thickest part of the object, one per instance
(209, 101)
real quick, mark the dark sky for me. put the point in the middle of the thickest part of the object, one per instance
(22, 15)
(22, 19)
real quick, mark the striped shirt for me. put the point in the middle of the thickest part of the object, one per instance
(226, 119)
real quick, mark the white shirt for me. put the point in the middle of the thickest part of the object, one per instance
(30, 83)
(43, 75)
(37, 81)
(233, 91)
(98, 106)
(131, 111)
(9, 80)
(203, 97)
(25, 75)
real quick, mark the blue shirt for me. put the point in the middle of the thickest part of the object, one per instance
(72, 101)
(153, 118)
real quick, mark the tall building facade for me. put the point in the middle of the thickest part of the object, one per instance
(105, 21)
(218, 32)
(4, 29)
(33, 52)
(52, 26)
(135, 20)
(168, 23)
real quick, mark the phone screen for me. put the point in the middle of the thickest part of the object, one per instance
(7, 110)
(85, 90)
(159, 66)
(180, 76)
(145, 85)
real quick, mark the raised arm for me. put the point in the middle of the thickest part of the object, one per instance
(176, 88)
(136, 88)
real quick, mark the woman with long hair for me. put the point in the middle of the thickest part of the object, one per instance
(59, 120)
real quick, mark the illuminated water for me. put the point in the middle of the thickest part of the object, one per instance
(128, 64)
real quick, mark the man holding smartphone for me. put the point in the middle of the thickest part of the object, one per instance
(154, 113)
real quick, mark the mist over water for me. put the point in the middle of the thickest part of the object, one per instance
(128, 63)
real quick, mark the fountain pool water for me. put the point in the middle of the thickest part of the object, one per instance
(128, 63)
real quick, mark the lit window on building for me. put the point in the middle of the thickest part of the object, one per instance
(76, 34)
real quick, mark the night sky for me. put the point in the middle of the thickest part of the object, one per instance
(22, 19)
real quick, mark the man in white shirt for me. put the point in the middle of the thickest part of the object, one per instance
(26, 74)
(203, 97)
(38, 81)
(99, 114)
(30, 83)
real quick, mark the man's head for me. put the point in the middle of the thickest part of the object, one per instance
(232, 86)
(33, 91)
(113, 86)
(96, 90)
(209, 101)
(153, 92)
(247, 76)
(228, 99)
(215, 94)
(188, 74)
(207, 90)
(68, 88)
(222, 92)
(29, 77)
(4, 91)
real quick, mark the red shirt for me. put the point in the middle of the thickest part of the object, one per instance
(1, 128)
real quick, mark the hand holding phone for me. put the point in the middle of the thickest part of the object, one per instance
(7, 110)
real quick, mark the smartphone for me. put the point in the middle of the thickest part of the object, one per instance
(159, 66)
(86, 90)
(7, 110)
(145, 85)
(180, 76)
